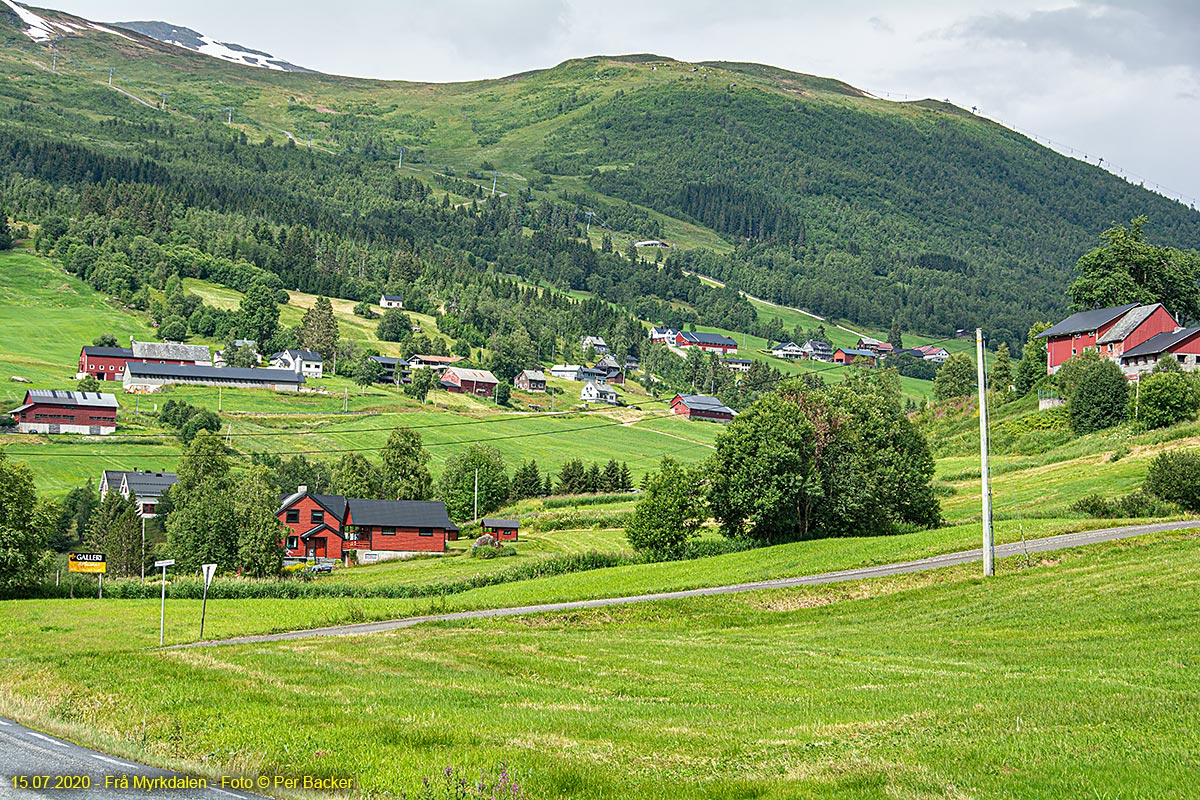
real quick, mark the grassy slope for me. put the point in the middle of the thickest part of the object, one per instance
(1038, 683)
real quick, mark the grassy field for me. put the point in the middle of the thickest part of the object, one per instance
(1040, 683)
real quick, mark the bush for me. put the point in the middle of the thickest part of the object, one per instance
(1164, 398)
(1174, 476)
(1099, 399)
(1135, 505)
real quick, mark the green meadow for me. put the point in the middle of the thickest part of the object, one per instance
(1042, 682)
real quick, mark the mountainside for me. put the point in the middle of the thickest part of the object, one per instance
(799, 189)
(186, 37)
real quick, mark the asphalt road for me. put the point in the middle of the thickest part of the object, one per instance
(37, 765)
(920, 565)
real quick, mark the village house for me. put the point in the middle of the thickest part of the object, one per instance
(663, 335)
(596, 343)
(880, 349)
(307, 362)
(595, 392)
(438, 363)
(530, 380)
(610, 369)
(218, 356)
(931, 352)
(326, 526)
(144, 488)
(390, 366)
(391, 301)
(845, 355)
(632, 364)
(108, 363)
(817, 350)
(567, 372)
(142, 378)
(478, 382)
(504, 530)
(699, 406)
(787, 350)
(708, 342)
(56, 411)
(1183, 345)
(1112, 332)
(737, 364)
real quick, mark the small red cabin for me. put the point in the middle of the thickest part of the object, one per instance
(504, 530)
(460, 380)
(330, 525)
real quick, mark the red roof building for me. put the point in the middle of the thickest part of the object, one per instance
(1110, 331)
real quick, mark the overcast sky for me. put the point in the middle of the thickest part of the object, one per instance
(1113, 79)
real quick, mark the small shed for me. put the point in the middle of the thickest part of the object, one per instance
(505, 530)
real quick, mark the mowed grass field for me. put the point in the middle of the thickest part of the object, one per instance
(1069, 678)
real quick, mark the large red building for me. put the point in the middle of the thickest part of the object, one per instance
(53, 411)
(1110, 331)
(330, 525)
(461, 380)
(108, 363)
(699, 406)
(708, 342)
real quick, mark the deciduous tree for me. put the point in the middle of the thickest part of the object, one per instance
(669, 514)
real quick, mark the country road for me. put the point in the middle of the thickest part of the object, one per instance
(1047, 544)
(34, 765)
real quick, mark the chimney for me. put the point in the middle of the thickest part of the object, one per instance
(302, 489)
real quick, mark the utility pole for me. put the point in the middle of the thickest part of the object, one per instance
(401, 164)
(477, 493)
(988, 548)
(493, 184)
(143, 549)
(110, 74)
(54, 57)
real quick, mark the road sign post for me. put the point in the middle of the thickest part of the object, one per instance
(162, 616)
(207, 570)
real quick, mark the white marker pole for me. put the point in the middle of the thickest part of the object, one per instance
(988, 549)
(162, 617)
(207, 570)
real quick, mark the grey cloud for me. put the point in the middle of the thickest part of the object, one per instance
(882, 25)
(1136, 35)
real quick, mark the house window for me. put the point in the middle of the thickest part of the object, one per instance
(425, 531)
(293, 542)
(388, 531)
(1182, 358)
(316, 516)
(293, 515)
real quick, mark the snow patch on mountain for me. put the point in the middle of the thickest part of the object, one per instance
(40, 30)
(198, 42)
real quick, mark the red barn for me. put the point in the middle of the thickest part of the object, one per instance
(478, 382)
(329, 525)
(699, 406)
(108, 363)
(708, 342)
(53, 411)
(504, 530)
(1110, 331)
(1183, 345)
(103, 363)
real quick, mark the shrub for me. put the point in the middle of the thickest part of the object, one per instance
(1174, 476)
(1164, 398)
(1135, 505)
(1099, 398)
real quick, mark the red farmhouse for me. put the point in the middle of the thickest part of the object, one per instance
(699, 406)
(108, 363)
(708, 342)
(1110, 331)
(330, 525)
(460, 380)
(53, 411)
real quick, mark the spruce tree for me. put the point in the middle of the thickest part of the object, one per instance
(319, 329)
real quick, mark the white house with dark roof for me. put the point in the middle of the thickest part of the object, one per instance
(597, 343)
(594, 392)
(144, 488)
(391, 301)
(307, 362)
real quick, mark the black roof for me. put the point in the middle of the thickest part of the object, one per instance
(701, 402)
(1086, 321)
(334, 504)
(150, 484)
(491, 522)
(111, 352)
(197, 372)
(401, 513)
(1160, 343)
(708, 338)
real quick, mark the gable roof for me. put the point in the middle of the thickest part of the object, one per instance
(436, 359)
(400, 513)
(929, 349)
(852, 352)
(1086, 321)
(202, 372)
(172, 351)
(1160, 343)
(702, 402)
(305, 355)
(107, 352)
(333, 504)
(818, 346)
(393, 298)
(782, 345)
(491, 522)
(1128, 323)
(149, 484)
(58, 397)
(534, 374)
(476, 375)
(699, 337)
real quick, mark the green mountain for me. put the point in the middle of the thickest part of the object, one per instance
(799, 189)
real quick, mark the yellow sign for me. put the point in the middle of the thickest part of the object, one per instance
(86, 562)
